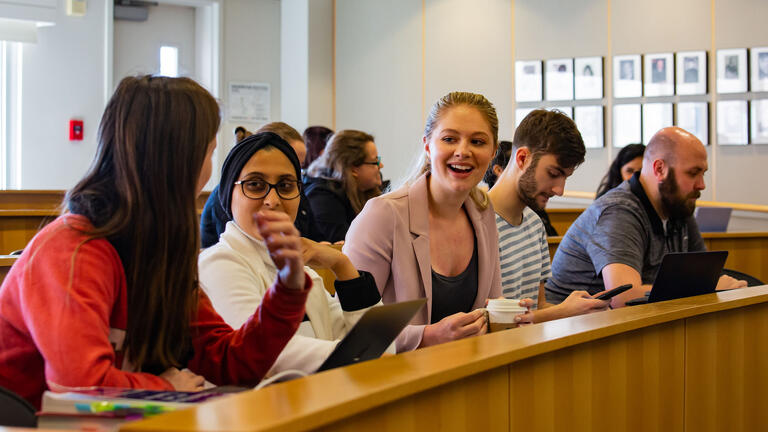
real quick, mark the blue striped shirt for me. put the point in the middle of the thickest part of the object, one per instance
(524, 256)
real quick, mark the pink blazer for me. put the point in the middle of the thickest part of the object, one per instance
(390, 239)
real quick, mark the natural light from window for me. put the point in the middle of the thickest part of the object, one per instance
(169, 61)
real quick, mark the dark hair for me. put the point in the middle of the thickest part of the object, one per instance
(501, 158)
(345, 149)
(315, 137)
(239, 129)
(613, 177)
(284, 130)
(239, 156)
(551, 132)
(140, 194)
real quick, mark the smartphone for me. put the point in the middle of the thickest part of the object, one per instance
(613, 292)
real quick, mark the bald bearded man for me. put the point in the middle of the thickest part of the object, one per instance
(622, 237)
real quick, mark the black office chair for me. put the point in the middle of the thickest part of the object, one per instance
(15, 411)
(751, 280)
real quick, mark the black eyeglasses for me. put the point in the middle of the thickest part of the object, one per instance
(377, 163)
(258, 189)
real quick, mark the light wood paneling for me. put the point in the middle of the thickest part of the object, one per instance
(632, 381)
(747, 253)
(476, 403)
(726, 374)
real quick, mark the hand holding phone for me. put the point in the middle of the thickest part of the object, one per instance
(606, 295)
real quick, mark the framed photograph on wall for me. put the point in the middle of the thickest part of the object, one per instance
(694, 117)
(558, 83)
(655, 117)
(759, 68)
(588, 78)
(627, 78)
(732, 122)
(626, 124)
(758, 110)
(731, 71)
(520, 114)
(589, 120)
(659, 76)
(528, 81)
(691, 72)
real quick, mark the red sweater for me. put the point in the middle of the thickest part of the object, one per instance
(63, 315)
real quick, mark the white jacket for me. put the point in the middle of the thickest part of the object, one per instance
(236, 272)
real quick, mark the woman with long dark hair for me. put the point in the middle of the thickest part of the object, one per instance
(108, 295)
(627, 162)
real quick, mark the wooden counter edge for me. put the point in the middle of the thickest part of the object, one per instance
(294, 406)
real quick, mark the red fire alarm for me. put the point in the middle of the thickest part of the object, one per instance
(75, 130)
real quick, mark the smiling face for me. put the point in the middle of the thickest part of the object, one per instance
(460, 148)
(541, 180)
(272, 166)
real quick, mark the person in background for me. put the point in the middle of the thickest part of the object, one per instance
(107, 294)
(263, 172)
(622, 237)
(546, 151)
(214, 218)
(240, 134)
(435, 237)
(627, 162)
(342, 180)
(315, 137)
(499, 162)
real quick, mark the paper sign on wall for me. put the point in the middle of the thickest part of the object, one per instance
(249, 102)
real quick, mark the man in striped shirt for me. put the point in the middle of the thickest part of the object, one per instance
(546, 150)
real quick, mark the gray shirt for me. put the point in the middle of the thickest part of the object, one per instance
(621, 227)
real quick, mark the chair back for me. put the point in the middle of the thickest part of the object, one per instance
(15, 411)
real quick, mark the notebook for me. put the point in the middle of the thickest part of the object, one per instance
(685, 274)
(373, 333)
(713, 219)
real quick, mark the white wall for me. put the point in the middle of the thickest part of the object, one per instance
(63, 78)
(137, 44)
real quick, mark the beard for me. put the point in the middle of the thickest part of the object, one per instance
(676, 206)
(527, 187)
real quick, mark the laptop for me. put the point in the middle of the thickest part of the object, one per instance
(685, 274)
(713, 219)
(373, 333)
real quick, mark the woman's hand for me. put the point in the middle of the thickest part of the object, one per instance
(580, 302)
(325, 256)
(284, 244)
(527, 317)
(183, 380)
(456, 326)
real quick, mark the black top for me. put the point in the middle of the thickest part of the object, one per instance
(452, 294)
(332, 211)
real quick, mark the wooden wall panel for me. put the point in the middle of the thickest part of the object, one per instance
(632, 381)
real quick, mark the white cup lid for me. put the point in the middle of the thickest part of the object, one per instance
(505, 305)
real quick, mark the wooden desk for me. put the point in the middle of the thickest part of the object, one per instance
(747, 251)
(694, 364)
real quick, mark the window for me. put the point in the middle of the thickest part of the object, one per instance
(10, 114)
(169, 61)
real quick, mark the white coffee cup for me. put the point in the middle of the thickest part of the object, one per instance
(502, 312)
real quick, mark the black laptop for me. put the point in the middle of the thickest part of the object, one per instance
(685, 274)
(373, 333)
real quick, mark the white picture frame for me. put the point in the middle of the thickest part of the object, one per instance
(691, 73)
(758, 111)
(732, 122)
(732, 71)
(759, 69)
(558, 79)
(626, 124)
(655, 117)
(694, 118)
(588, 78)
(659, 74)
(627, 76)
(528, 81)
(590, 122)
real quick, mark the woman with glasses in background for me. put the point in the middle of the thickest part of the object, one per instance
(263, 172)
(342, 180)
